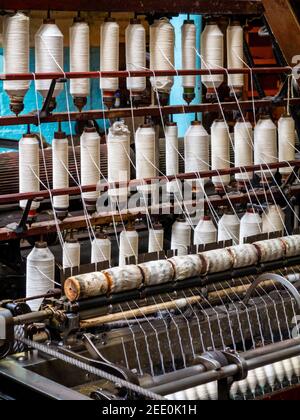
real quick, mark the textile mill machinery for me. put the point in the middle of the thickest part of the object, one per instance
(150, 250)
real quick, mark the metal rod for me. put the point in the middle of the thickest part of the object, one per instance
(152, 111)
(227, 371)
(123, 74)
(14, 198)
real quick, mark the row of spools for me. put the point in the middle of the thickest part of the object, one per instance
(49, 56)
(202, 152)
(41, 262)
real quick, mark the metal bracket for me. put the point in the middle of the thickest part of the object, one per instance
(278, 279)
(48, 103)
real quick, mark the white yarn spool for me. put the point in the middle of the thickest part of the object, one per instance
(79, 57)
(262, 378)
(273, 220)
(243, 149)
(271, 375)
(101, 249)
(243, 386)
(71, 254)
(296, 365)
(252, 381)
(189, 47)
(212, 50)
(172, 157)
(118, 157)
(162, 45)
(49, 55)
(251, 225)
(202, 393)
(145, 147)
(196, 149)
(109, 53)
(286, 142)
(40, 273)
(234, 390)
(235, 55)
(212, 389)
(229, 228)
(60, 165)
(205, 232)
(288, 369)
(29, 167)
(16, 54)
(135, 37)
(279, 371)
(129, 246)
(220, 154)
(90, 161)
(181, 237)
(265, 145)
(156, 239)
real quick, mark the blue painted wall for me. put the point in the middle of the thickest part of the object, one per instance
(177, 91)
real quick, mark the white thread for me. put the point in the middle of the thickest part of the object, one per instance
(265, 144)
(101, 250)
(279, 371)
(205, 232)
(196, 149)
(109, 54)
(181, 237)
(235, 43)
(286, 142)
(90, 161)
(16, 52)
(162, 44)
(229, 228)
(60, 164)
(212, 48)
(80, 57)
(29, 168)
(40, 274)
(49, 56)
(251, 225)
(243, 149)
(71, 254)
(172, 161)
(156, 240)
(135, 36)
(145, 142)
(273, 219)
(188, 33)
(288, 369)
(118, 151)
(220, 155)
(129, 246)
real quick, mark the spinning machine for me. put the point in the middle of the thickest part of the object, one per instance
(137, 263)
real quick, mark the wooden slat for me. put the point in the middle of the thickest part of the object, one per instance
(246, 7)
(285, 27)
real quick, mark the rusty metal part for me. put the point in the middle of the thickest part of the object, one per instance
(78, 222)
(122, 74)
(152, 111)
(236, 7)
(14, 198)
